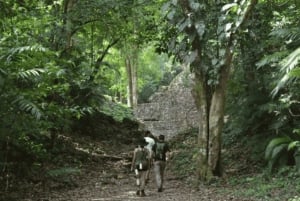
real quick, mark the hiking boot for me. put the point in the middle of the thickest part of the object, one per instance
(159, 190)
(142, 193)
(138, 192)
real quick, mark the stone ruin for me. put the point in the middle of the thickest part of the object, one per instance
(171, 110)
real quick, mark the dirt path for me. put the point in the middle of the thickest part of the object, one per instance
(118, 185)
(107, 178)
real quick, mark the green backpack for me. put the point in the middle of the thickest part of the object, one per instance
(160, 151)
(142, 162)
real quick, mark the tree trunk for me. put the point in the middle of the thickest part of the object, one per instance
(200, 96)
(135, 78)
(129, 77)
(211, 110)
(131, 63)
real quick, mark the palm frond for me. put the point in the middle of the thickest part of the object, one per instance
(271, 59)
(288, 65)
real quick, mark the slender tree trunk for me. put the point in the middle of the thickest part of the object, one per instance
(135, 78)
(68, 6)
(129, 77)
(131, 63)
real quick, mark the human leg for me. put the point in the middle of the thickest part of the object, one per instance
(143, 182)
(162, 173)
(158, 178)
(138, 180)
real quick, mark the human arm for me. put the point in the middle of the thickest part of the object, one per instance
(168, 152)
(133, 160)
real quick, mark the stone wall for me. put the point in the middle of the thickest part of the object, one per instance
(171, 110)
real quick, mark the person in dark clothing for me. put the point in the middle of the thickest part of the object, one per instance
(140, 164)
(160, 150)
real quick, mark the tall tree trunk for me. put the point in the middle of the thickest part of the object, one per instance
(211, 110)
(129, 77)
(135, 78)
(199, 93)
(131, 63)
(211, 104)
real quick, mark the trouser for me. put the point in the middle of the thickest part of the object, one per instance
(148, 171)
(159, 169)
(148, 174)
(141, 179)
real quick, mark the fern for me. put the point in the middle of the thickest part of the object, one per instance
(33, 48)
(28, 106)
(28, 74)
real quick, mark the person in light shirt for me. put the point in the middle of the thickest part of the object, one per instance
(149, 138)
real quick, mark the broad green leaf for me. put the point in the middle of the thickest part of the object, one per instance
(277, 151)
(293, 145)
(274, 143)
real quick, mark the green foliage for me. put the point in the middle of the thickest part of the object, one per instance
(290, 65)
(250, 108)
(295, 198)
(116, 110)
(282, 186)
(280, 149)
(183, 161)
(33, 146)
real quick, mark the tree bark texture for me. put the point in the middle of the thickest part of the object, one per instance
(131, 63)
(199, 94)
(211, 104)
(135, 78)
(129, 77)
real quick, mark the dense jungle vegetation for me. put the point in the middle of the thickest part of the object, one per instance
(78, 68)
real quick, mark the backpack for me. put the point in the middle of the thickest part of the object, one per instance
(142, 162)
(160, 151)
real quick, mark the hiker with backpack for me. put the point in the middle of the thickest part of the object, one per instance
(140, 165)
(160, 149)
(150, 140)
